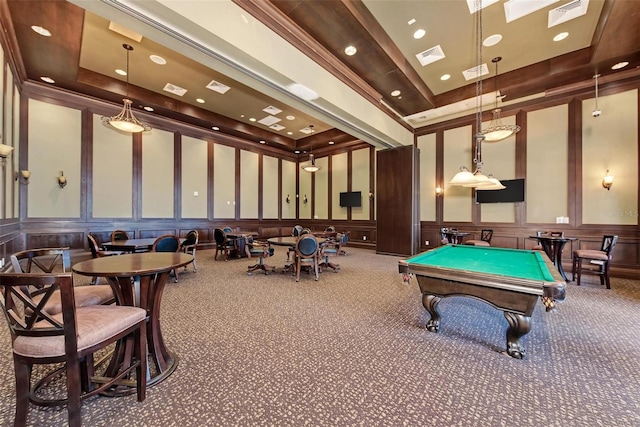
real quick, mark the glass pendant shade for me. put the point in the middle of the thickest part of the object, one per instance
(463, 177)
(493, 184)
(126, 121)
(311, 167)
(498, 131)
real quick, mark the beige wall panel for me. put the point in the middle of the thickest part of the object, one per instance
(16, 144)
(428, 184)
(360, 182)
(194, 178)
(321, 210)
(288, 189)
(249, 184)
(270, 201)
(610, 142)
(6, 137)
(457, 152)
(112, 192)
(499, 159)
(224, 181)
(546, 190)
(157, 174)
(305, 191)
(55, 145)
(339, 170)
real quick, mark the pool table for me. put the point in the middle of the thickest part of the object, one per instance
(511, 280)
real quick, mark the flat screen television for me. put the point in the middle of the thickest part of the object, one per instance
(351, 199)
(513, 193)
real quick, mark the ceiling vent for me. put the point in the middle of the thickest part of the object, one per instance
(276, 126)
(475, 72)
(516, 9)
(567, 12)
(269, 120)
(430, 56)
(272, 110)
(218, 87)
(308, 130)
(176, 90)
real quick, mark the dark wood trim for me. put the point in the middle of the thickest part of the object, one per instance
(237, 183)
(177, 175)
(136, 175)
(574, 163)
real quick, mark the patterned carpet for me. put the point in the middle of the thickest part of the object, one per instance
(352, 350)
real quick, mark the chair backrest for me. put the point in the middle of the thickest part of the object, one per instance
(307, 246)
(219, 236)
(119, 235)
(166, 243)
(305, 231)
(94, 247)
(608, 243)
(45, 259)
(227, 229)
(191, 239)
(486, 235)
(330, 229)
(296, 231)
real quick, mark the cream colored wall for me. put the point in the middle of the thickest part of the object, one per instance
(112, 192)
(546, 190)
(457, 152)
(270, 201)
(360, 182)
(305, 190)
(224, 188)
(339, 170)
(6, 135)
(428, 184)
(16, 151)
(499, 159)
(157, 174)
(322, 189)
(610, 142)
(54, 146)
(288, 188)
(194, 177)
(249, 184)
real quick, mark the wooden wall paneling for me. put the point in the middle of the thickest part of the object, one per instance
(74, 240)
(397, 230)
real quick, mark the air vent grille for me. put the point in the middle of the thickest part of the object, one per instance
(431, 55)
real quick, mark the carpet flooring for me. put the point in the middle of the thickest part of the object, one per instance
(351, 350)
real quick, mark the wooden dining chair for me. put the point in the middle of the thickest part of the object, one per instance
(485, 238)
(223, 244)
(189, 246)
(598, 261)
(69, 338)
(119, 235)
(331, 248)
(46, 260)
(98, 252)
(262, 250)
(167, 243)
(307, 254)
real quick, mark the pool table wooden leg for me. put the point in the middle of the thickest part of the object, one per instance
(519, 325)
(430, 302)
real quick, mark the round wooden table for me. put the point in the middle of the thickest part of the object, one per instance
(138, 280)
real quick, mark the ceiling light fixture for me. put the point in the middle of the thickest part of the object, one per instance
(619, 65)
(125, 120)
(496, 130)
(418, 34)
(311, 166)
(350, 50)
(560, 36)
(477, 179)
(596, 112)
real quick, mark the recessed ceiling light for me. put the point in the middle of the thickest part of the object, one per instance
(620, 65)
(215, 128)
(331, 142)
(252, 119)
(297, 151)
(200, 100)
(158, 59)
(291, 117)
(47, 79)
(242, 116)
(560, 36)
(445, 77)
(121, 72)
(350, 50)
(492, 40)
(418, 34)
(262, 141)
(396, 93)
(41, 30)
(148, 108)
(411, 21)
(289, 133)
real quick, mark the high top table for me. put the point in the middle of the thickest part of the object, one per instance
(554, 246)
(138, 280)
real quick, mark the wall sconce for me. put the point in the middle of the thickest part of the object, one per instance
(607, 181)
(23, 176)
(5, 150)
(62, 180)
(439, 191)
(305, 200)
(288, 199)
(370, 195)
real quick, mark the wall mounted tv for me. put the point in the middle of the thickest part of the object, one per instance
(513, 193)
(351, 199)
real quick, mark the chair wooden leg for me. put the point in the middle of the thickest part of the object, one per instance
(606, 275)
(574, 266)
(73, 392)
(579, 268)
(23, 375)
(141, 355)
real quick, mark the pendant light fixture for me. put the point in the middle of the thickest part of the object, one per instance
(126, 121)
(496, 130)
(311, 166)
(596, 112)
(477, 179)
